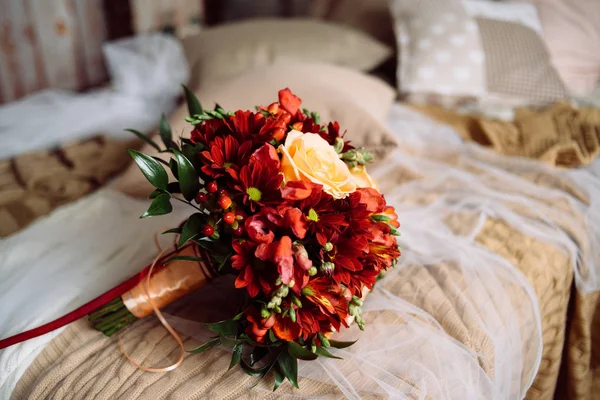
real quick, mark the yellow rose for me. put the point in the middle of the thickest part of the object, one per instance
(362, 178)
(308, 157)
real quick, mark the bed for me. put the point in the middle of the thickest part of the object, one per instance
(497, 286)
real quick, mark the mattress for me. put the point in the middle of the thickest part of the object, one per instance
(492, 249)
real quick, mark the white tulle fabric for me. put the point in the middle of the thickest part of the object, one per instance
(408, 350)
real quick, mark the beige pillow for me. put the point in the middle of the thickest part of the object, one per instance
(229, 50)
(359, 102)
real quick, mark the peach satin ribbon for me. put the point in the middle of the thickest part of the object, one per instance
(160, 289)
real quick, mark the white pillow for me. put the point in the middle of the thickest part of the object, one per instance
(523, 13)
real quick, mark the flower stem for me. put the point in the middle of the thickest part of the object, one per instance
(112, 317)
(188, 203)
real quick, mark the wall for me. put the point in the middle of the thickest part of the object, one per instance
(50, 43)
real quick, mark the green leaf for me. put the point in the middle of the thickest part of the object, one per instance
(341, 345)
(289, 367)
(300, 352)
(237, 355)
(278, 379)
(173, 187)
(380, 218)
(188, 179)
(191, 228)
(206, 346)
(165, 131)
(322, 352)
(227, 327)
(238, 316)
(144, 138)
(152, 170)
(161, 205)
(272, 336)
(190, 152)
(184, 258)
(194, 106)
(173, 230)
(155, 193)
(173, 168)
(254, 371)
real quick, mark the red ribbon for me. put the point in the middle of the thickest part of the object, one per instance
(76, 314)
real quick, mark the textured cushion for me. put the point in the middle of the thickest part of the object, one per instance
(518, 63)
(229, 50)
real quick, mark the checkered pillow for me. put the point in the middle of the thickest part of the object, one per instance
(517, 62)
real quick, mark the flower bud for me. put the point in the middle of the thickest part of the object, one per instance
(301, 256)
(324, 340)
(338, 146)
(353, 310)
(271, 305)
(297, 302)
(327, 268)
(265, 313)
(328, 246)
(356, 300)
(292, 314)
(312, 271)
(350, 155)
(313, 348)
(278, 281)
(291, 284)
(283, 291)
(276, 301)
(278, 309)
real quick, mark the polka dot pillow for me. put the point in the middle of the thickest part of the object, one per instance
(440, 49)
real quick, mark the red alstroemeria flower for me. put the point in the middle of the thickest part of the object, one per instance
(324, 293)
(260, 180)
(308, 323)
(285, 329)
(385, 247)
(224, 154)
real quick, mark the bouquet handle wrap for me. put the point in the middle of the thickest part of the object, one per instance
(173, 276)
(170, 282)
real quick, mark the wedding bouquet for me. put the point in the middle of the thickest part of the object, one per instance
(287, 206)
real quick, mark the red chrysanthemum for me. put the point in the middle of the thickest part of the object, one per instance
(260, 180)
(224, 154)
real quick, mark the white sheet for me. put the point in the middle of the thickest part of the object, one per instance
(146, 73)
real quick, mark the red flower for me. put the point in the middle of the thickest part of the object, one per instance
(242, 260)
(258, 326)
(324, 293)
(224, 155)
(285, 329)
(289, 101)
(280, 252)
(260, 180)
